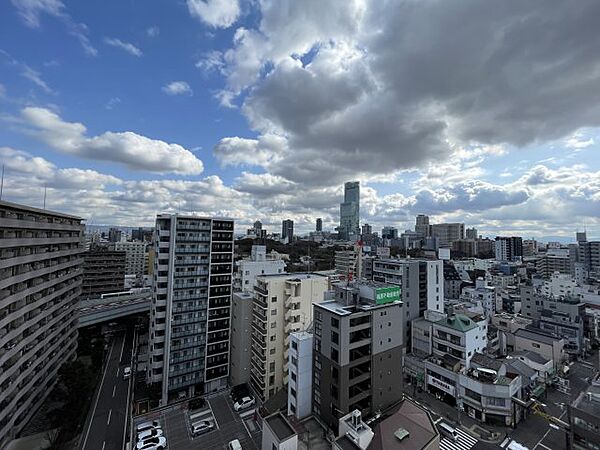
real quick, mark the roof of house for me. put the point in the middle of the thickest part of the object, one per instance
(280, 426)
(532, 356)
(519, 367)
(536, 335)
(411, 418)
(485, 361)
(459, 322)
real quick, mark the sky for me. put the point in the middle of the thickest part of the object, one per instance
(471, 111)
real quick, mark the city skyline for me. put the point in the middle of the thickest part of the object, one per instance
(214, 130)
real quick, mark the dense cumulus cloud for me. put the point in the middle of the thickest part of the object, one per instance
(430, 90)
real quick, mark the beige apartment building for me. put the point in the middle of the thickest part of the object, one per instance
(282, 304)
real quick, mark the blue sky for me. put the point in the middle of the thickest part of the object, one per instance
(262, 109)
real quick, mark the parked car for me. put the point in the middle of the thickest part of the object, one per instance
(126, 372)
(202, 427)
(234, 445)
(243, 403)
(157, 443)
(147, 426)
(149, 433)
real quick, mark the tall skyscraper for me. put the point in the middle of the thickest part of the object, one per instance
(367, 229)
(350, 211)
(471, 233)
(319, 224)
(422, 226)
(190, 314)
(40, 281)
(389, 233)
(287, 230)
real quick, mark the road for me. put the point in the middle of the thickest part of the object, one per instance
(106, 430)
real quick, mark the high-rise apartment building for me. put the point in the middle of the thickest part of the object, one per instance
(422, 227)
(446, 233)
(421, 283)
(103, 272)
(358, 346)
(389, 233)
(348, 263)
(190, 314)
(509, 248)
(350, 211)
(115, 235)
(367, 230)
(471, 233)
(40, 281)
(136, 256)
(259, 263)
(287, 230)
(319, 227)
(282, 305)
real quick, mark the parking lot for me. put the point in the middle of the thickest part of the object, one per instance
(229, 425)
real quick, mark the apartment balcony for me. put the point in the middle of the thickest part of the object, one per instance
(260, 352)
(259, 384)
(190, 285)
(259, 315)
(291, 302)
(193, 227)
(292, 327)
(192, 250)
(261, 342)
(258, 366)
(193, 238)
(291, 314)
(190, 273)
(186, 320)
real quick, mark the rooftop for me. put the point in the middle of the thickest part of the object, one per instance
(589, 401)
(19, 207)
(459, 322)
(532, 356)
(410, 417)
(280, 426)
(535, 334)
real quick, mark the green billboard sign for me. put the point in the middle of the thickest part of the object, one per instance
(387, 295)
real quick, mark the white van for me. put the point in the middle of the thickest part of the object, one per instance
(448, 431)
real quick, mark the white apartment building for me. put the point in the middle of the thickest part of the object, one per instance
(260, 263)
(40, 282)
(459, 336)
(348, 263)
(301, 375)
(482, 293)
(282, 305)
(136, 256)
(190, 313)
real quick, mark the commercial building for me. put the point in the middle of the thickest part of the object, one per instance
(260, 263)
(301, 375)
(358, 347)
(460, 336)
(422, 227)
(287, 230)
(40, 282)
(389, 233)
(319, 226)
(103, 272)
(547, 345)
(421, 283)
(282, 305)
(350, 212)
(446, 233)
(482, 293)
(190, 313)
(136, 257)
(509, 248)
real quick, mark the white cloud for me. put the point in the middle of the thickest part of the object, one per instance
(578, 142)
(126, 46)
(215, 13)
(152, 31)
(110, 104)
(212, 60)
(35, 77)
(236, 151)
(128, 148)
(31, 11)
(178, 88)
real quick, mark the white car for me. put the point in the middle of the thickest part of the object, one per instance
(126, 372)
(147, 426)
(199, 428)
(234, 445)
(150, 433)
(157, 443)
(244, 403)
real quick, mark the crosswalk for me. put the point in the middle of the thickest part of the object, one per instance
(465, 442)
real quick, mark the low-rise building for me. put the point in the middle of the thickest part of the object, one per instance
(278, 433)
(482, 293)
(543, 367)
(584, 418)
(550, 347)
(301, 375)
(507, 325)
(459, 336)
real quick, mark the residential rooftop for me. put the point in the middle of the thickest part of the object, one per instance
(280, 426)
(458, 322)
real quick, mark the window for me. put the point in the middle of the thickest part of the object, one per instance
(294, 377)
(272, 351)
(335, 323)
(272, 367)
(273, 324)
(274, 312)
(273, 299)
(294, 345)
(335, 337)
(334, 355)
(535, 345)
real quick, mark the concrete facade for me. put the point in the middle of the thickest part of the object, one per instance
(358, 353)
(282, 304)
(241, 338)
(190, 314)
(136, 257)
(40, 282)
(260, 263)
(301, 375)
